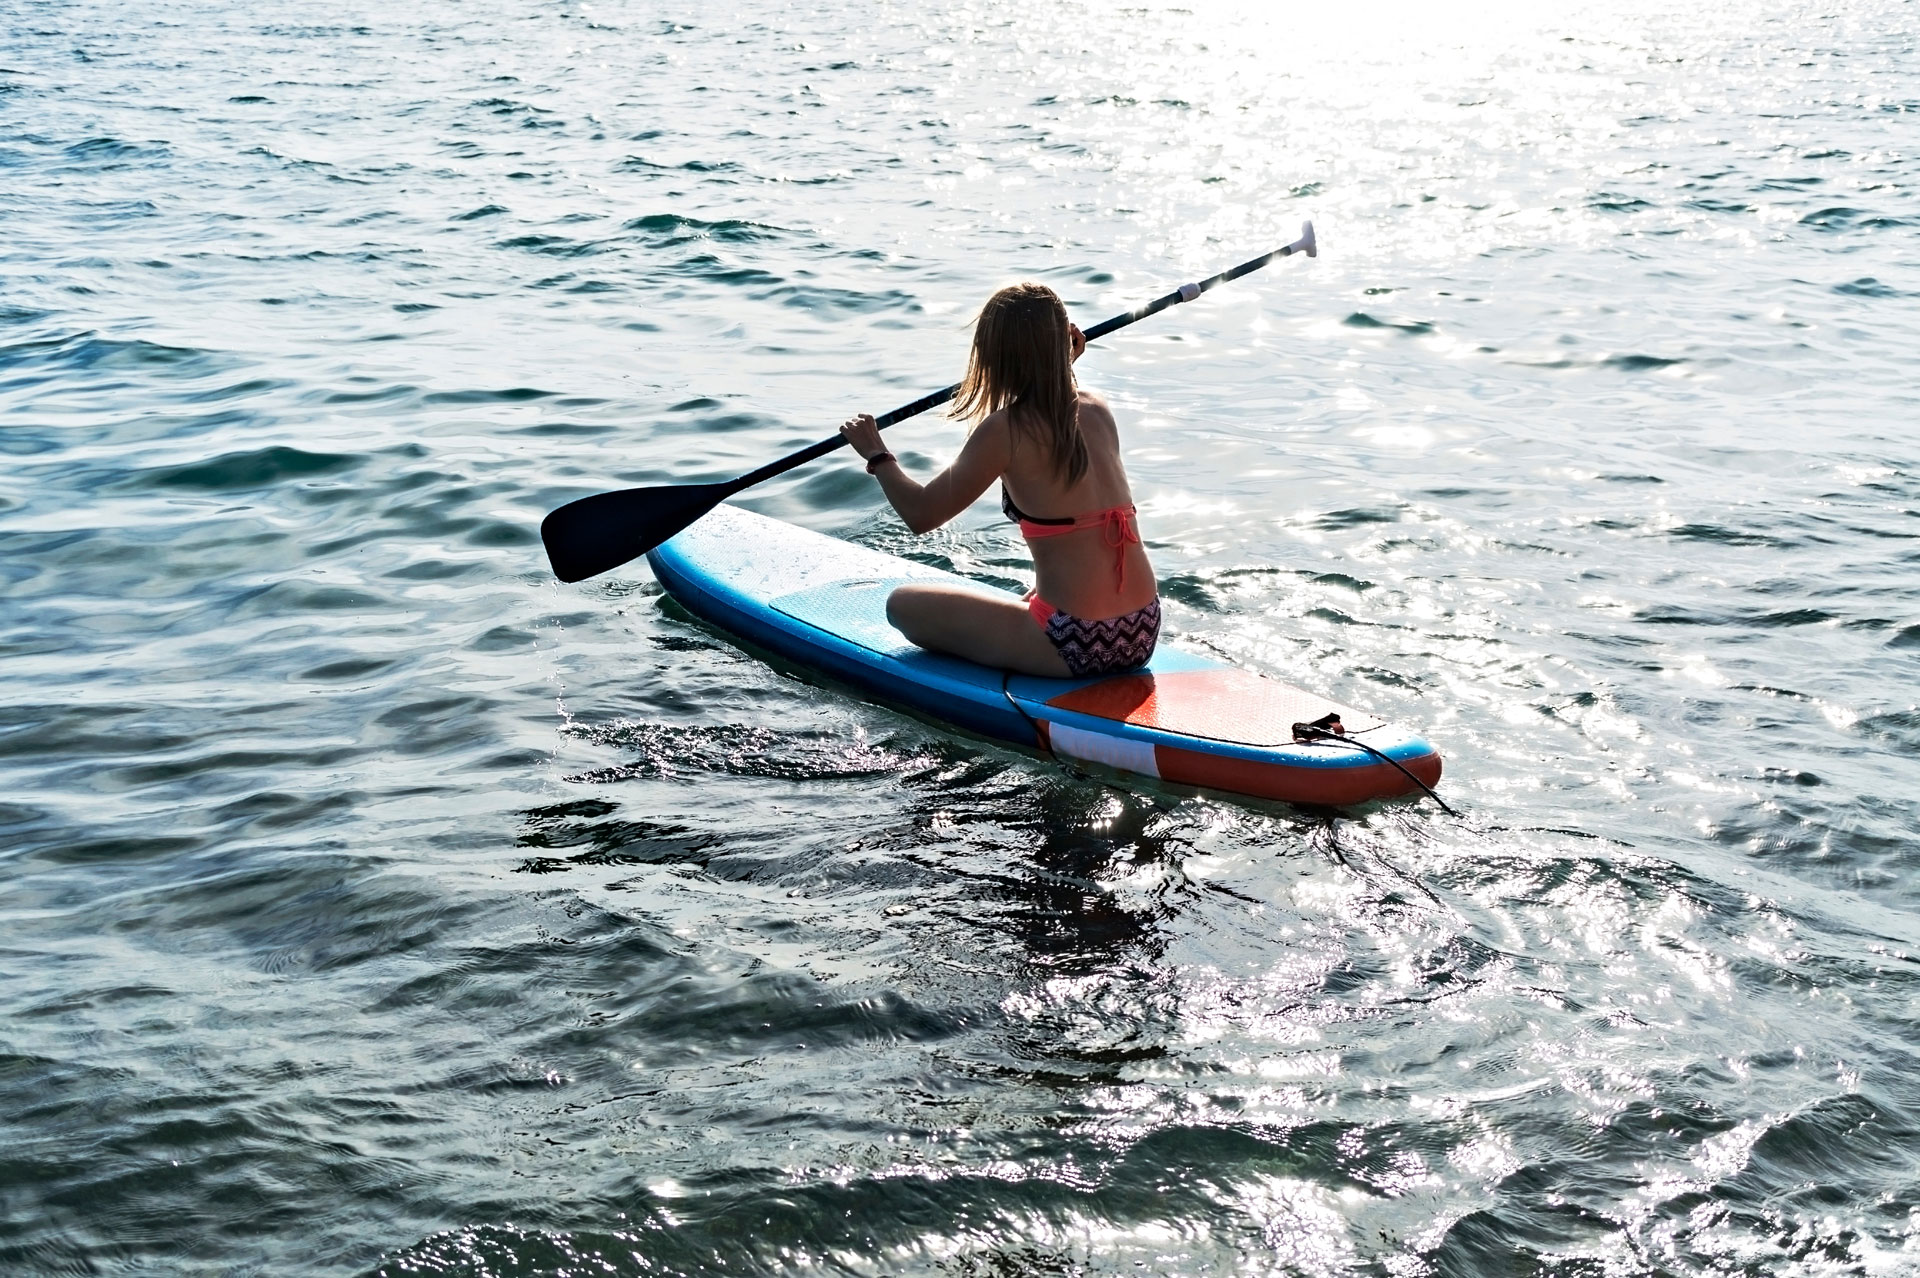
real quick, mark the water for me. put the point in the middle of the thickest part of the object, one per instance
(376, 905)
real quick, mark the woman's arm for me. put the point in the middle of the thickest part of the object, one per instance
(926, 506)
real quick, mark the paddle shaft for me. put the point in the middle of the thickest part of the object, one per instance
(591, 535)
(1185, 293)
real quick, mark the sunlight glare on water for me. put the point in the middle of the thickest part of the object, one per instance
(378, 905)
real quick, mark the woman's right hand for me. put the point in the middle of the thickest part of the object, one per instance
(1076, 342)
(863, 433)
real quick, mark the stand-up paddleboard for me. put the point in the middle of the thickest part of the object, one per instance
(820, 604)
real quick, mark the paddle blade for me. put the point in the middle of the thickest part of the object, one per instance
(588, 537)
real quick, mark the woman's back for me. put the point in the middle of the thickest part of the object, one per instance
(1092, 572)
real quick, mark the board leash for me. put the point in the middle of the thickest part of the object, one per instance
(1328, 728)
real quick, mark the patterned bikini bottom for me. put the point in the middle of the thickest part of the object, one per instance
(1107, 646)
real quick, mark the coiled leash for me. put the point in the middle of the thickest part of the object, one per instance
(1329, 728)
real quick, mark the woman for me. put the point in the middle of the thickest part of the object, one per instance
(1056, 452)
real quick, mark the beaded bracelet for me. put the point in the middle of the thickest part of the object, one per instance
(873, 462)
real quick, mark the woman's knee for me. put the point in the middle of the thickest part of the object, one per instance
(905, 608)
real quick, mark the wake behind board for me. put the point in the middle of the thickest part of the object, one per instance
(820, 603)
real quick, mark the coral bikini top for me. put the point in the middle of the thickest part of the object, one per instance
(1115, 522)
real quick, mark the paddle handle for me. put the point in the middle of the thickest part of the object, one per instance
(1185, 293)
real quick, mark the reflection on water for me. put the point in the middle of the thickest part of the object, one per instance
(376, 904)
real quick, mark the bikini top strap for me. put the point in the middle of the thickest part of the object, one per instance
(1014, 513)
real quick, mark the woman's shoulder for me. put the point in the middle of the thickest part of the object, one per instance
(1095, 411)
(994, 425)
(991, 435)
(1094, 400)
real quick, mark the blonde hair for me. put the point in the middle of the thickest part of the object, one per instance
(1021, 361)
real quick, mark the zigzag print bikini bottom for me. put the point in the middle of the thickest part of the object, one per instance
(1107, 646)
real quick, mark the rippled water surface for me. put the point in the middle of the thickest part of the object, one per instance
(376, 905)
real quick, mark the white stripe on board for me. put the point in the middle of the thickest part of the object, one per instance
(1098, 747)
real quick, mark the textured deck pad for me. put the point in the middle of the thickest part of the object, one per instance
(855, 610)
(1221, 704)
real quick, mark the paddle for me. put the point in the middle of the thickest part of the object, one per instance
(594, 534)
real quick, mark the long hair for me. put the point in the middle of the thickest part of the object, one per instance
(1021, 361)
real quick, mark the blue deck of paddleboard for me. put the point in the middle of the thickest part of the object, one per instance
(821, 603)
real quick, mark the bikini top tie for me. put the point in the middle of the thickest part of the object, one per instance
(1115, 522)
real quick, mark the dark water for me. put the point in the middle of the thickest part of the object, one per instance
(375, 904)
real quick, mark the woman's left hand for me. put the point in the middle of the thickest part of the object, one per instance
(861, 431)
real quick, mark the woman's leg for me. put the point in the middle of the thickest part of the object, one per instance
(965, 623)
